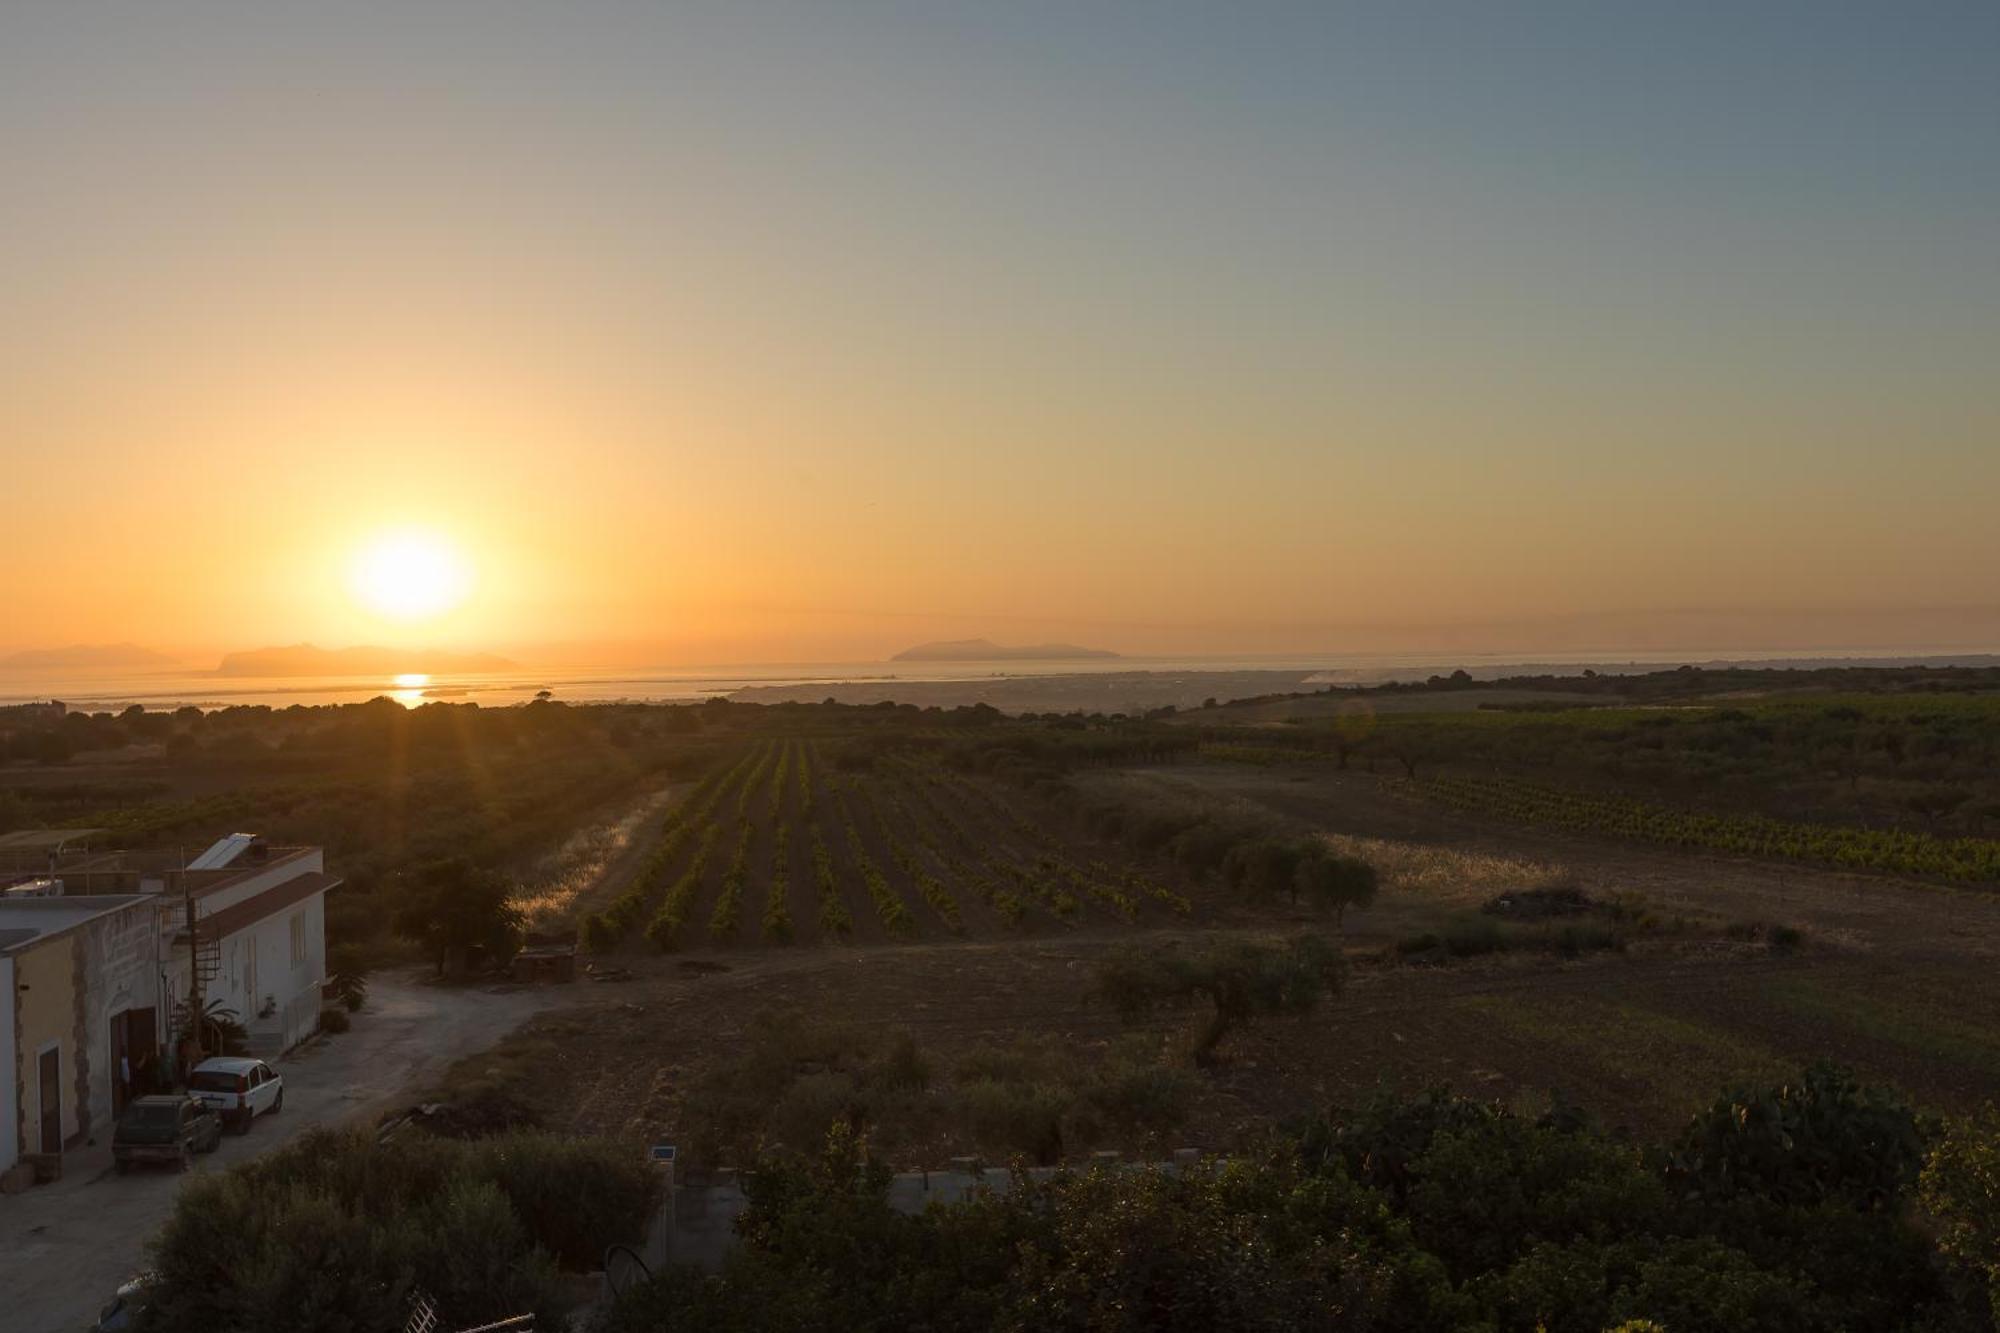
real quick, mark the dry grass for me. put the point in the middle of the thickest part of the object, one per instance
(550, 889)
(1445, 877)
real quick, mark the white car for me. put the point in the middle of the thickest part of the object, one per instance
(239, 1088)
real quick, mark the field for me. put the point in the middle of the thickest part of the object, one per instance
(1893, 977)
(779, 847)
(901, 914)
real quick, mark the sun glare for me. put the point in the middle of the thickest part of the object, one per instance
(410, 575)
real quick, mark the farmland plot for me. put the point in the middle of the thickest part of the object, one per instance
(777, 846)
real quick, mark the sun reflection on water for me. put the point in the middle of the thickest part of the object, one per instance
(409, 690)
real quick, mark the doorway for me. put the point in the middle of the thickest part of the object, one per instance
(50, 1077)
(134, 1044)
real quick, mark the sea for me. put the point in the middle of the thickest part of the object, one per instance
(110, 691)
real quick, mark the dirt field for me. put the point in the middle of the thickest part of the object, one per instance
(1895, 979)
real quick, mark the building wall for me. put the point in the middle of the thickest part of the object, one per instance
(115, 959)
(10, 1071)
(45, 1011)
(285, 1008)
(295, 989)
(292, 988)
(65, 990)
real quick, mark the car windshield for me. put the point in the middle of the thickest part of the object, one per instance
(212, 1080)
(154, 1115)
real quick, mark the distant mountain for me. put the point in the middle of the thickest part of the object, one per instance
(985, 650)
(303, 659)
(96, 656)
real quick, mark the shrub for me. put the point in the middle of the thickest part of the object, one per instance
(1472, 937)
(1960, 1190)
(1482, 1193)
(576, 1196)
(1330, 880)
(334, 1229)
(1256, 1249)
(1820, 1137)
(334, 1021)
(1239, 979)
(1539, 904)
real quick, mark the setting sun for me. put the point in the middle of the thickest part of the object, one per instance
(410, 575)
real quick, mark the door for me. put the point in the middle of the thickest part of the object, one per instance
(267, 1087)
(50, 1078)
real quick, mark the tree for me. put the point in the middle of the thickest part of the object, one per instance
(1241, 979)
(1960, 1189)
(1329, 880)
(453, 906)
(1263, 867)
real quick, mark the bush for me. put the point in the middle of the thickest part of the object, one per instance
(334, 1021)
(1821, 1137)
(576, 1196)
(796, 1079)
(1239, 979)
(334, 1230)
(1960, 1190)
(1252, 1248)
(1539, 904)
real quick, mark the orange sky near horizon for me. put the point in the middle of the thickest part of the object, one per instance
(738, 340)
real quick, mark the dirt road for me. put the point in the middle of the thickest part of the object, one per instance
(64, 1248)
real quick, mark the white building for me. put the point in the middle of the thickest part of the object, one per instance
(259, 937)
(97, 965)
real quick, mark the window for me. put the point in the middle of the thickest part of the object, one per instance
(298, 939)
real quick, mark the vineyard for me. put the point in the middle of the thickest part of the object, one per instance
(1971, 860)
(780, 846)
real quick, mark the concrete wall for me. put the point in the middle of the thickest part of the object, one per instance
(115, 958)
(291, 989)
(45, 1002)
(10, 1071)
(698, 1226)
(65, 990)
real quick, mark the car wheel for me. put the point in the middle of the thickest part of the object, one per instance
(240, 1123)
(278, 1103)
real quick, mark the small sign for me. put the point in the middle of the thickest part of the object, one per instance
(663, 1152)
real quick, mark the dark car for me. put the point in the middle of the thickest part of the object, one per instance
(164, 1129)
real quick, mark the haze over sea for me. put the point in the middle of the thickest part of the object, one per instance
(94, 691)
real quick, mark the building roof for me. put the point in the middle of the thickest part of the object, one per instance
(45, 839)
(25, 921)
(221, 925)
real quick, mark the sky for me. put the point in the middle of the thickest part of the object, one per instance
(763, 332)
